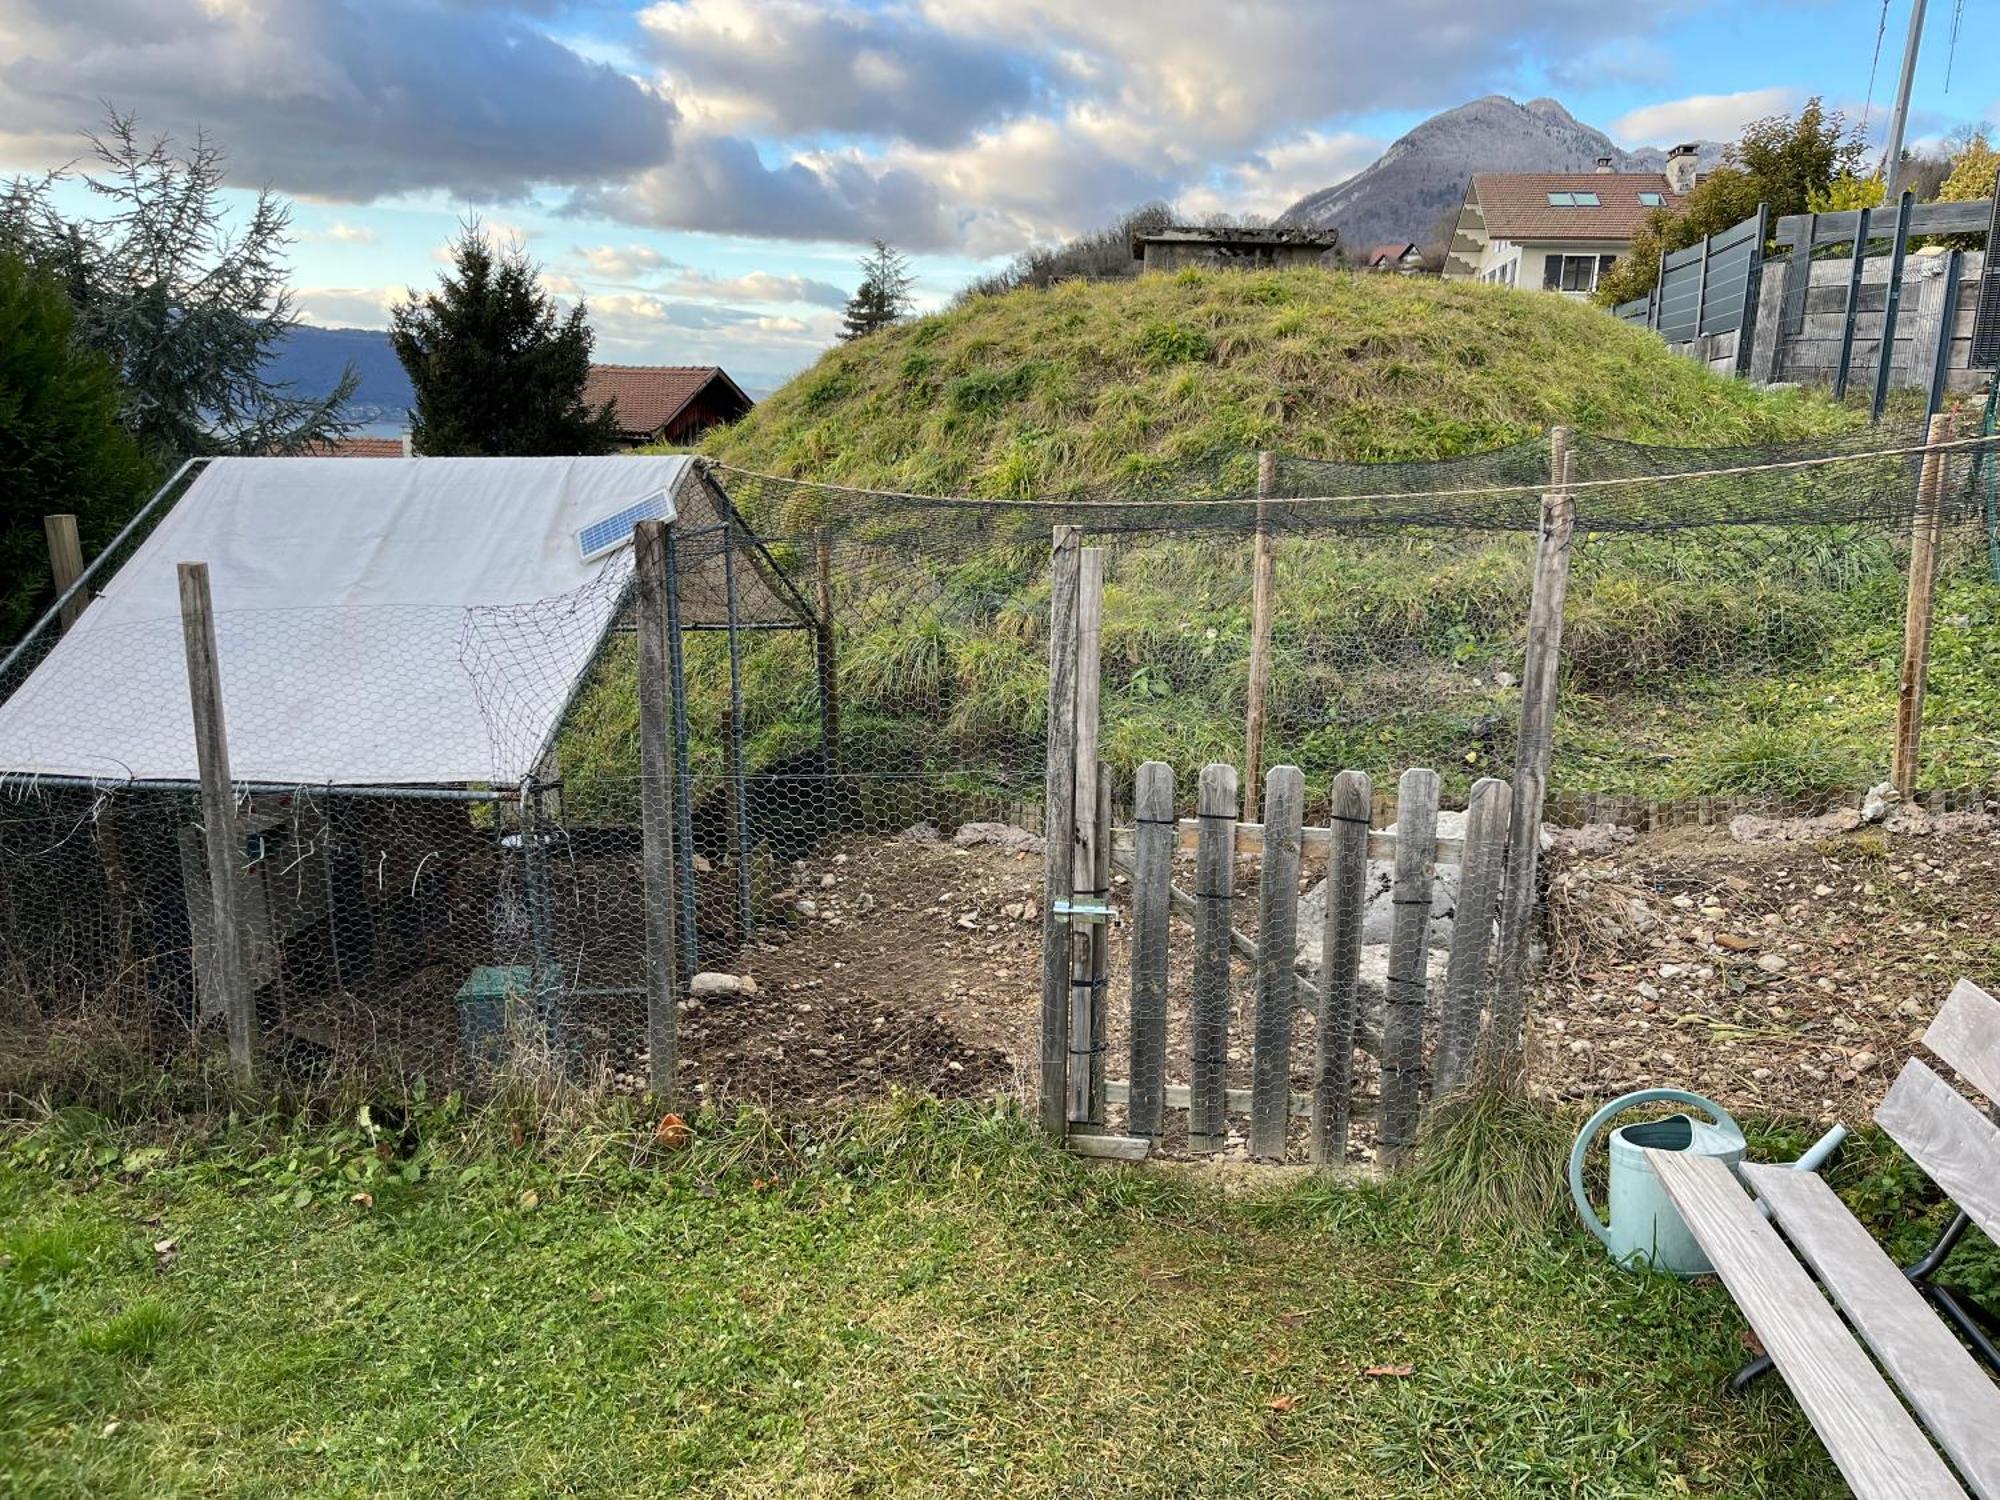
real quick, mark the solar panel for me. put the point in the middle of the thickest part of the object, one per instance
(615, 530)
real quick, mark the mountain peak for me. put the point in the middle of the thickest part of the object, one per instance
(1406, 193)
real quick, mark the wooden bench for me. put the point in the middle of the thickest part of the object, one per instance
(1783, 1270)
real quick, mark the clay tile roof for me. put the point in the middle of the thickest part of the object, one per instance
(647, 397)
(359, 447)
(1517, 207)
(1388, 252)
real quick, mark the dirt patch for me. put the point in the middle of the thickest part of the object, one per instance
(1789, 977)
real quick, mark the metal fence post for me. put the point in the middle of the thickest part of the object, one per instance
(228, 972)
(739, 788)
(1059, 829)
(656, 806)
(1885, 358)
(1853, 309)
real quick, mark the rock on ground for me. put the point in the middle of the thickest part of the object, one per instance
(997, 835)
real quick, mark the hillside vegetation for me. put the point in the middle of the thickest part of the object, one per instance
(1041, 391)
(1718, 661)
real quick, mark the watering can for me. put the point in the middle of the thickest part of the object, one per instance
(1646, 1229)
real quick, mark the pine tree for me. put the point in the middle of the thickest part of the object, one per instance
(883, 296)
(496, 369)
(188, 303)
(62, 448)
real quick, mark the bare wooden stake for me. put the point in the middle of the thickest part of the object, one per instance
(824, 659)
(1486, 814)
(1059, 828)
(229, 973)
(1262, 590)
(1152, 880)
(65, 563)
(1501, 1052)
(1409, 962)
(1214, 890)
(1277, 977)
(1085, 999)
(1926, 532)
(656, 805)
(1340, 970)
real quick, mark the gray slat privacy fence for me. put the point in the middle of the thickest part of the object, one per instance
(1707, 288)
(1421, 1013)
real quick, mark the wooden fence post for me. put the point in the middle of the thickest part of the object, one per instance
(1501, 1053)
(229, 974)
(1409, 962)
(824, 661)
(1926, 532)
(1277, 953)
(1479, 882)
(65, 563)
(1154, 831)
(1340, 966)
(656, 805)
(1263, 577)
(1059, 828)
(1214, 891)
(1085, 1024)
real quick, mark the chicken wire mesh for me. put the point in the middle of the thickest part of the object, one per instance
(860, 760)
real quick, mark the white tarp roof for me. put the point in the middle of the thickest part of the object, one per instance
(362, 622)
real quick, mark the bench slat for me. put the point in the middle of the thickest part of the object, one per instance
(1966, 1034)
(1955, 1144)
(1950, 1392)
(1877, 1445)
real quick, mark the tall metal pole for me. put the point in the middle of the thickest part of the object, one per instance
(1892, 162)
(656, 804)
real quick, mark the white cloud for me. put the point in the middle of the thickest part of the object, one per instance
(347, 306)
(1271, 181)
(621, 262)
(342, 99)
(1701, 117)
(349, 234)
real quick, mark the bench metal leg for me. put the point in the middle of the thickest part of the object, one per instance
(1743, 1378)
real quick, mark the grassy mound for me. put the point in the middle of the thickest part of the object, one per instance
(1734, 661)
(1090, 382)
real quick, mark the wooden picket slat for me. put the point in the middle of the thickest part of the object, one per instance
(1085, 997)
(1340, 966)
(1152, 875)
(1277, 942)
(1966, 1034)
(1215, 889)
(1487, 814)
(1955, 1144)
(1059, 829)
(1409, 962)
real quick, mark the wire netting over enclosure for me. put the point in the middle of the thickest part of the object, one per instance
(439, 810)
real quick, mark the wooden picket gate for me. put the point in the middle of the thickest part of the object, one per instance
(1348, 841)
(1485, 961)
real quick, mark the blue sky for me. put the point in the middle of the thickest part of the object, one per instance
(705, 172)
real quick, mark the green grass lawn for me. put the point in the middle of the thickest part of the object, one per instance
(927, 1301)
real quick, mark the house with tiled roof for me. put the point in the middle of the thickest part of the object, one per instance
(666, 403)
(1405, 259)
(1558, 231)
(361, 447)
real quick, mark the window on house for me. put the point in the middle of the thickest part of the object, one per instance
(1585, 200)
(1562, 200)
(1574, 273)
(1652, 200)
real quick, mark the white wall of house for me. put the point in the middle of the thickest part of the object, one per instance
(1525, 264)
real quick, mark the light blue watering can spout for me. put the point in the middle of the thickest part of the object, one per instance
(1645, 1228)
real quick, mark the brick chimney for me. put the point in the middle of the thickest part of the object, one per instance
(1604, 165)
(1681, 163)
